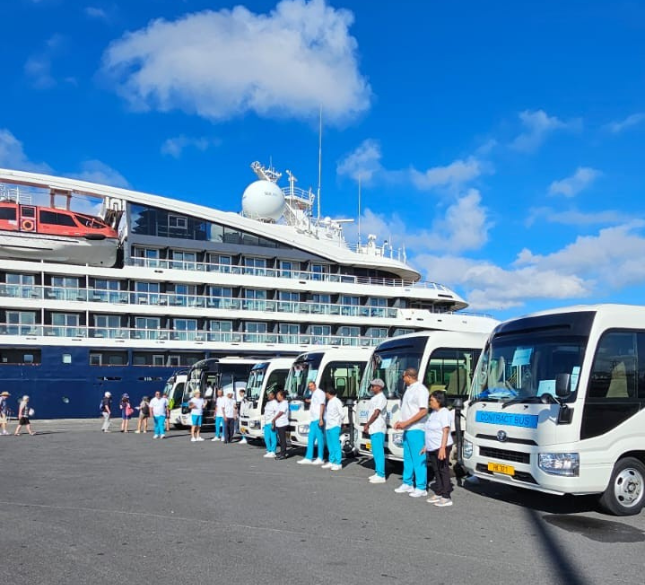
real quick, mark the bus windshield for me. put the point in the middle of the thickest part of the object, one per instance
(302, 372)
(388, 364)
(254, 384)
(526, 366)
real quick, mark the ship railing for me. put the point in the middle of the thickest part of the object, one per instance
(283, 273)
(194, 336)
(195, 301)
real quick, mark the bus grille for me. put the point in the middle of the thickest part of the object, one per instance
(505, 455)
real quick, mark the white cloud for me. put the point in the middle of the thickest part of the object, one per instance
(629, 122)
(538, 125)
(222, 64)
(38, 68)
(579, 181)
(12, 155)
(175, 146)
(96, 171)
(453, 175)
(95, 12)
(364, 162)
(575, 217)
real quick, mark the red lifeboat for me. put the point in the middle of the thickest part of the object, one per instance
(33, 219)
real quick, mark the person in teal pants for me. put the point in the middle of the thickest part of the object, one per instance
(316, 426)
(333, 421)
(219, 416)
(414, 413)
(270, 434)
(376, 427)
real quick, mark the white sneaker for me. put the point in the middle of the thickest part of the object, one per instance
(317, 462)
(443, 503)
(417, 493)
(433, 499)
(214, 439)
(326, 466)
(404, 489)
(371, 477)
(156, 437)
(243, 441)
(162, 436)
(378, 479)
(270, 456)
(335, 467)
(137, 432)
(192, 439)
(199, 439)
(305, 462)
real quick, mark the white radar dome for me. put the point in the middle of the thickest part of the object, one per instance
(263, 200)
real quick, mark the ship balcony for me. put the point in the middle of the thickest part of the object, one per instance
(264, 272)
(195, 301)
(163, 336)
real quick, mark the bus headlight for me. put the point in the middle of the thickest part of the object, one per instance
(397, 439)
(468, 449)
(254, 424)
(566, 464)
(303, 430)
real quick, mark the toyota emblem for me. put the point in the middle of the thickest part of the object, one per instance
(501, 436)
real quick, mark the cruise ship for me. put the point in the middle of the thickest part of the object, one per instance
(104, 288)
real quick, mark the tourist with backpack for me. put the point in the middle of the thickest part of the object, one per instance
(106, 411)
(24, 412)
(126, 412)
(144, 415)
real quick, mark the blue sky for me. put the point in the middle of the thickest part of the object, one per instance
(500, 143)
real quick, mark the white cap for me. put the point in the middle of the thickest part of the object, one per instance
(108, 394)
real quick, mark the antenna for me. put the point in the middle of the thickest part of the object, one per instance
(359, 210)
(319, 158)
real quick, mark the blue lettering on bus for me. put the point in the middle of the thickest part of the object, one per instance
(526, 421)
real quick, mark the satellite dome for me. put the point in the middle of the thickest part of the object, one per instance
(263, 200)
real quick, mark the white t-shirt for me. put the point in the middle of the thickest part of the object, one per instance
(219, 406)
(270, 410)
(436, 423)
(317, 400)
(415, 398)
(197, 406)
(282, 407)
(378, 402)
(334, 413)
(229, 407)
(159, 406)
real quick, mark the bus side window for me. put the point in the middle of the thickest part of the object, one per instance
(613, 374)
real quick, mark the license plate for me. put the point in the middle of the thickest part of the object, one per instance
(501, 468)
(368, 446)
(243, 430)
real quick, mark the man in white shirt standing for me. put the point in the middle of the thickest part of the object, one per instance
(376, 427)
(196, 405)
(333, 420)
(316, 426)
(414, 412)
(281, 423)
(229, 416)
(159, 407)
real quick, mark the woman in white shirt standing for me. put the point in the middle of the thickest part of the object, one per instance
(229, 416)
(281, 422)
(376, 427)
(333, 420)
(270, 436)
(438, 445)
(196, 405)
(219, 416)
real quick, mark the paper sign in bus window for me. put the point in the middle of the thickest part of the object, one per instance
(522, 356)
(546, 387)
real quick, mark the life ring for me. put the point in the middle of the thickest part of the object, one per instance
(27, 225)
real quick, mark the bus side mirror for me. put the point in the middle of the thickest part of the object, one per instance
(562, 382)
(458, 403)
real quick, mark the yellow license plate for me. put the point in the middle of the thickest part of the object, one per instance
(501, 468)
(368, 446)
(243, 430)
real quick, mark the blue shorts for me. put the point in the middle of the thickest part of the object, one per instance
(197, 420)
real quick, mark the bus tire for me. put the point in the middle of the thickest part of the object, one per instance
(625, 494)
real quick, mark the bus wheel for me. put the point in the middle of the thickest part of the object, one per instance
(625, 493)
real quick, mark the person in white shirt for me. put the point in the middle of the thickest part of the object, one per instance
(241, 406)
(229, 416)
(376, 427)
(270, 436)
(437, 447)
(196, 405)
(159, 407)
(219, 416)
(281, 423)
(414, 412)
(333, 420)
(316, 426)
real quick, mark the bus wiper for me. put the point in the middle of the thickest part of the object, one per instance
(525, 400)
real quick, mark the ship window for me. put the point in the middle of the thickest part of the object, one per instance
(157, 360)
(8, 213)
(67, 358)
(96, 359)
(20, 279)
(173, 360)
(28, 358)
(177, 222)
(17, 356)
(54, 218)
(221, 326)
(65, 281)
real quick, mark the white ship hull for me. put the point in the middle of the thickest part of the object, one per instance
(63, 249)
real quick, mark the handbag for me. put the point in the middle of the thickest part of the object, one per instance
(129, 411)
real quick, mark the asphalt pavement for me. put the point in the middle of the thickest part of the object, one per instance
(81, 506)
